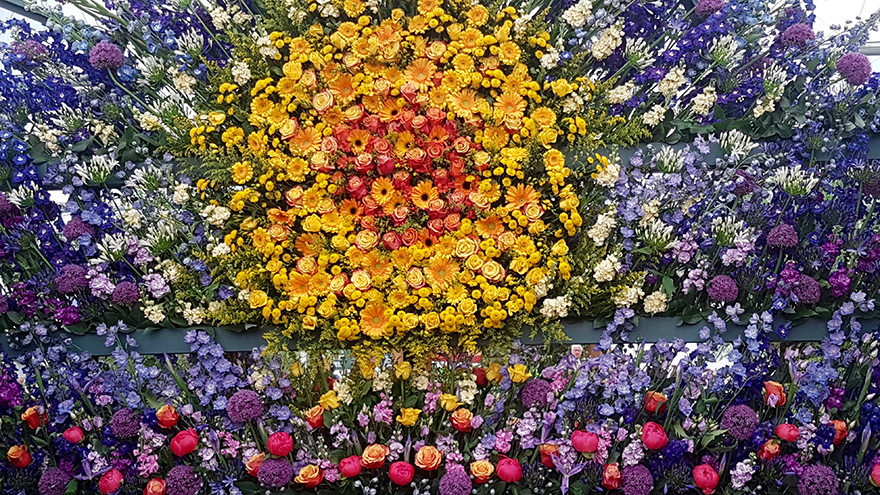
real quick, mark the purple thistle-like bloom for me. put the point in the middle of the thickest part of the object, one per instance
(807, 290)
(636, 480)
(798, 35)
(818, 479)
(275, 473)
(182, 480)
(783, 235)
(534, 393)
(106, 55)
(705, 8)
(855, 68)
(72, 279)
(76, 228)
(456, 481)
(740, 421)
(126, 294)
(54, 482)
(244, 405)
(723, 288)
(125, 423)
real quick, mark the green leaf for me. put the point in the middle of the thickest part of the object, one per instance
(668, 286)
(71, 488)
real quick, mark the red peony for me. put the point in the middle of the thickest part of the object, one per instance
(184, 442)
(509, 470)
(584, 441)
(875, 475)
(350, 466)
(74, 434)
(705, 478)
(110, 482)
(654, 436)
(401, 473)
(787, 432)
(279, 443)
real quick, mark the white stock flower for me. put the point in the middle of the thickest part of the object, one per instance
(607, 269)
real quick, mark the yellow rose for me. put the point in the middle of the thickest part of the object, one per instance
(519, 373)
(534, 211)
(493, 374)
(467, 306)
(548, 137)
(435, 50)
(402, 370)
(312, 223)
(257, 299)
(520, 265)
(367, 369)
(310, 475)
(340, 242)
(449, 402)
(366, 240)
(361, 280)
(431, 320)
(410, 321)
(329, 400)
(296, 369)
(474, 263)
(492, 270)
(322, 101)
(408, 416)
(309, 322)
(326, 309)
(535, 276)
(466, 246)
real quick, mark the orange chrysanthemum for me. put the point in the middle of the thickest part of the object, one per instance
(441, 272)
(298, 284)
(309, 244)
(419, 74)
(343, 88)
(307, 140)
(464, 103)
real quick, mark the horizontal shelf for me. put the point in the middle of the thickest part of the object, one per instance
(239, 339)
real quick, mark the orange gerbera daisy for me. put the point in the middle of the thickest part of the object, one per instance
(397, 200)
(374, 320)
(358, 140)
(520, 195)
(464, 103)
(319, 283)
(420, 72)
(298, 284)
(382, 190)
(309, 244)
(350, 208)
(491, 226)
(466, 184)
(404, 139)
(401, 258)
(423, 193)
(306, 141)
(389, 110)
(441, 272)
(428, 240)
(470, 39)
(510, 107)
(438, 134)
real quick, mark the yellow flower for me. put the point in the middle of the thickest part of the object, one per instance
(242, 172)
(257, 299)
(408, 416)
(518, 373)
(402, 370)
(329, 400)
(493, 374)
(449, 402)
(296, 369)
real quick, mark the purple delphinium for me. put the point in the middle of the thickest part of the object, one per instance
(126, 294)
(71, 279)
(534, 393)
(723, 288)
(855, 68)
(182, 480)
(798, 35)
(106, 55)
(740, 421)
(456, 481)
(636, 480)
(125, 423)
(818, 479)
(244, 405)
(275, 473)
(783, 236)
(54, 482)
(807, 290)
(705, 8)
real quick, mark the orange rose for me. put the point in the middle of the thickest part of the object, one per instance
(34, 418)
(428, 458)
(482, 471)
(361, 280)
(774, 394)
(253, 464)
(415, 278)
(167, 416)
(155, 486)
(374, 456)
(315, 417)
(18, 456)
(310, 476)
(461, 420)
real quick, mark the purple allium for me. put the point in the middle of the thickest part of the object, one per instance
(54, 482)
(807, 290)
(798, 35)
(75, 228)
(125, 423)
(106, 55)
(182, 480)
(740, 421)
(723, 288)
(72, 279)
(705, 8)
(29, 49)
(783, 235)
(275, 473)
(244, 405)
(126, 294)
(818, 479)
(855, 68)
(534, 393)
(744, 183)
(456, 481)
(636, 480)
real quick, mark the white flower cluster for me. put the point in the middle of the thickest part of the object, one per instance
(171, 271)
(607, 177)
(216, 215)
(154, 312)
(572, 103)
(542, 288)
(241, 73)
(132, 218)
(382, 381)
(578, 14)
(550, 58)
(111, 248)
(557, 307)
(628, 297)
(794, 180)
(670, 160)
(220, 249)
(520, 24)
(266, 46)
(774, 84)
(609, 40)
(294, 13)
(607, 269)
(98, 170)
(327, 9)
(181, 194)
(620, 94)
(421, 382)
(48, 136)
(655, 302)
(191, 42)
(600, 231)
(226, 18)
(149, 122)
(638, 53)
(103, 131)
(704, 101)
(736, 144)
(343, 392)
(741, 474)
(725, 51)
(467, 391)
(657, 234)
(183, 81)
(150, 67)
(654, 116)
(193, 315)
(670, 83)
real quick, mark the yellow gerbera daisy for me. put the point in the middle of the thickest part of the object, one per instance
(424, 193)
(419, 74)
